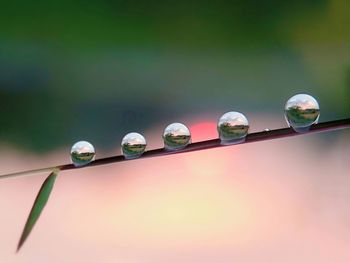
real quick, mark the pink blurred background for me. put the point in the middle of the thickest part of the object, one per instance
(285, 200)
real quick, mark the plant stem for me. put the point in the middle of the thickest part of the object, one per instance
(197, 146)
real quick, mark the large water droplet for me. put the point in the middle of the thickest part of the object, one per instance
(133, 145)
(232, 127)
(82, 153)
(176, 136)
(301, 111)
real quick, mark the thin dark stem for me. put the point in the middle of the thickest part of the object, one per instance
(203, 145)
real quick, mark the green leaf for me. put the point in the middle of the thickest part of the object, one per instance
(38, 206)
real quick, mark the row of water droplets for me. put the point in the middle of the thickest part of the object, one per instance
(301, 111)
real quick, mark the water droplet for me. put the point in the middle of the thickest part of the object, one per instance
(133, 145)
(176, 136)
(301, 111)
(267, 130)
(82, 153)
(232, 127)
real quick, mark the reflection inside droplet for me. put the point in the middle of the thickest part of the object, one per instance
(301, 111)
(176, 136)
(232, 127)
(82, 153)
(133, 145)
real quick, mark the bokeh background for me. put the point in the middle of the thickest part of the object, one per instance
(95, 70)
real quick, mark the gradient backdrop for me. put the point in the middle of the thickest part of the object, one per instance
(95, 70)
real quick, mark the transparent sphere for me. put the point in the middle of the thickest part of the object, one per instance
(133, 145)
(176, 136)
(82, 153)
(301, 111)
(232, 127)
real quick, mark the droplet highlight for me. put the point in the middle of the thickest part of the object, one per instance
(82, 153)
(301, 112)
(133, 145)
(232, 127)
(176, 136)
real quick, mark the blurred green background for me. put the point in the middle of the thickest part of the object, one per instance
(94, 70)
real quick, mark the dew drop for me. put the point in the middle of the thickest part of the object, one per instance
(82, 153)
(302, 111)
(176, 136)
(232, 127)
(133, 145)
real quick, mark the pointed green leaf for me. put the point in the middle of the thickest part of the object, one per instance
(38, 206)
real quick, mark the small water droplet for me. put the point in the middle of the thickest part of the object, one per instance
(301, 111)
(82, 153)
(232, 127)
(133, 145)
(267, 129)
(176, 136)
